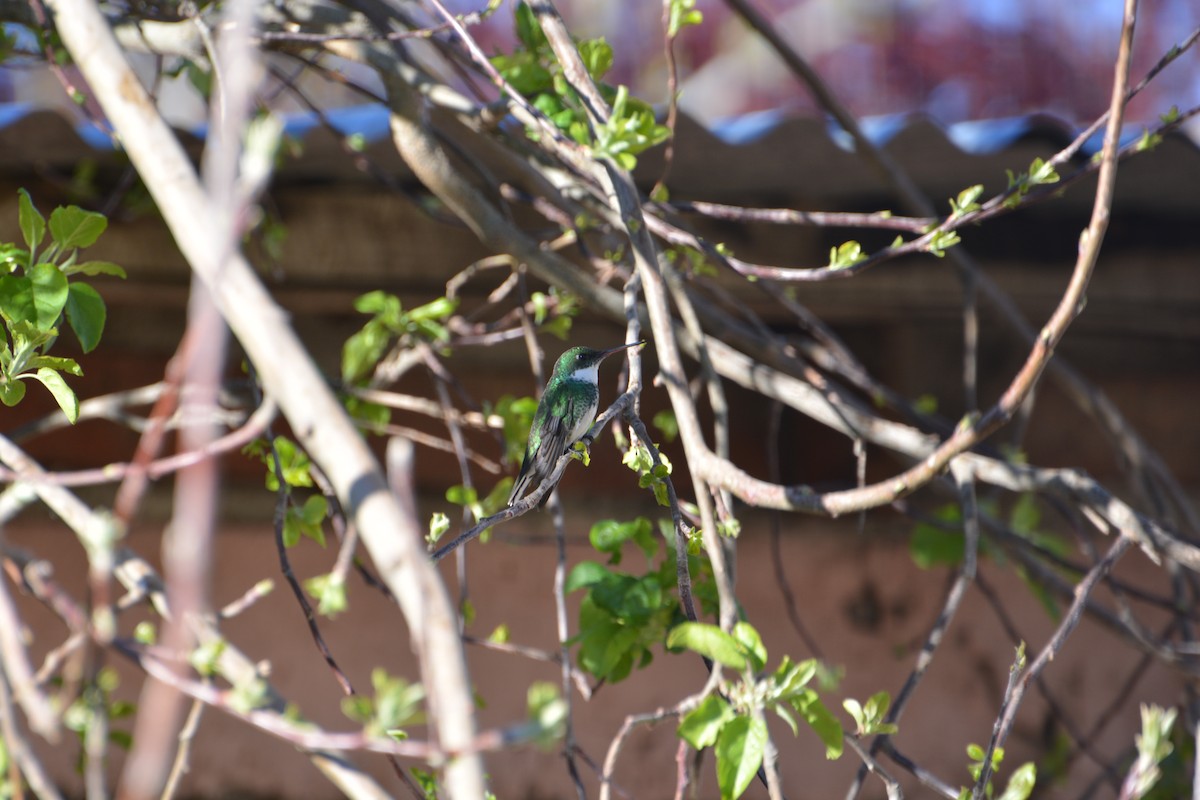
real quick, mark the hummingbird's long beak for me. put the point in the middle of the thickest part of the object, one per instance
(606, 353)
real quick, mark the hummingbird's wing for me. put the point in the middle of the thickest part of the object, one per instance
(548, 440)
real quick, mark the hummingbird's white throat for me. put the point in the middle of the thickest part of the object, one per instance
(587, 374)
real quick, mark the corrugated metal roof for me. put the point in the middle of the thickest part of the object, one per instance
(770, 154)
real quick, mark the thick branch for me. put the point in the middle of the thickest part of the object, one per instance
(392, 537)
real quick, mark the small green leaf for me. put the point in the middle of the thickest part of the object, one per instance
(11, 391)
(67, 365)
(358, 708)
(529, 32)
(548, 712)
(597, 57)
(16, 299)
(966, 201)
(752, 643)
(330, 593)
(362, 351)
(845, 255)
(86, 314)
(682, 14)
(1022, 782)
(439, 523)
(740, 748)
(585, 573)
(94, 268)
(397, 702)
(609, 535)
(32, 223)
(1042, 172)
(205, 657)
(314, 510)
(462, 495)
(305, 520)
(73, 227)
(145, 633)
(667, 424)
(710, 642)
(821, 720)
(64, 395)
(700, 726)
(932, 545)
(49, 288)
(293, 460)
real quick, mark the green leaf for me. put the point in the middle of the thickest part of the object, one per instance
(667, 424)
(374, 416)
(740, 748)
(11, 391)
(145, 633)
(32, 223)
(439, 523)
(379, 303)
(609, 535)
(64, 395)
(358, 708)
(397, 702)
(305, 520)
(597, 56)
(86, 315)
(1042, 172)
(362, 351)
(329, 592)
(204, 659)
(628, 598)
(585, 573)
(72, 227)
(845, 255)
(462, 495)
(682, 14)
(931, 545)
(791, 678)
(437, 309)
(94, 268)
(821, 720)
(966, 201)
(1021, 784)
(49, 288)
(67, 365)
(710, 642)
(700, 726)
(16, 298)
(547, 711)
(529, 32)
(292, 459)
(752, 643)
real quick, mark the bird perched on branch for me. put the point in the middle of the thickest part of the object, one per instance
(564, 414)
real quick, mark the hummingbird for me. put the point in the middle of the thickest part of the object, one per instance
(564, 414)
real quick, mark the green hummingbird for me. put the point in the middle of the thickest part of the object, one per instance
(564, 414)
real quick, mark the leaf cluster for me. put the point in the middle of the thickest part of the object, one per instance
(1019, 786)
(1019, 184)
(624, 615)
(396, 703)
(732, 722)
(533, 70)
(390, 322)
(650, 475)
(36, 293)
